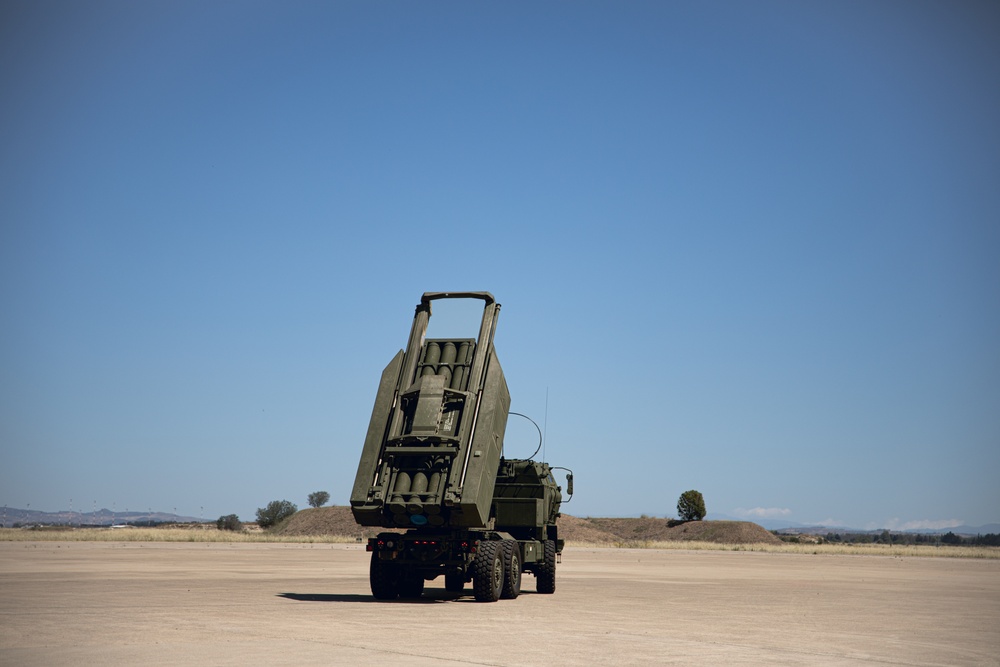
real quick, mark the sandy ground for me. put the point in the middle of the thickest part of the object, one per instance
(76, 603)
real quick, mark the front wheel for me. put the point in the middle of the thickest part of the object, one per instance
(487, 579)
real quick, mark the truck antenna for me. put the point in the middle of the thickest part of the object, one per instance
(537, 449)
(545, 421)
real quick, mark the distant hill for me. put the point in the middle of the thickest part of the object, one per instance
(989, 528)
(337, 520)
(102, 517)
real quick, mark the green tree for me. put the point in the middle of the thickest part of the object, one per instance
(951, 538)
(275, 512)
(318, 499)
(229, 522)
(691, 506)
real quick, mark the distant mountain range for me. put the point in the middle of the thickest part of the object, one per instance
(102, 517)
(784, 526)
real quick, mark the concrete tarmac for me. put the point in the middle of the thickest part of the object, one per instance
(106, 603)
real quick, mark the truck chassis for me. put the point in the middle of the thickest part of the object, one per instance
(493, 561)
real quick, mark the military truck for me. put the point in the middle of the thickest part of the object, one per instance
(433, 464)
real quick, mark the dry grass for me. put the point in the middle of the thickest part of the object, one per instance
(132, 534)
(887, 550)
(211, 534)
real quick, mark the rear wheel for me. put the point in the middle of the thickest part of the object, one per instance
(384, 578)
(545, 575)
(411, 585)
(487, 579)
(454, 583)
(512, 570)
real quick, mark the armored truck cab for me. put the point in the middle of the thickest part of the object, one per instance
(433, 465)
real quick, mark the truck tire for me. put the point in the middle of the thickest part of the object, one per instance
(454, 582)
(512, 570)
(384, 578)
(545, 575)
(487, 579)
(411, 585)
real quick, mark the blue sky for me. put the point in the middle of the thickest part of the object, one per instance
(746, 248)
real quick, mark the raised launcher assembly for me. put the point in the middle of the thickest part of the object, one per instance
(436, 433)
(433, 464)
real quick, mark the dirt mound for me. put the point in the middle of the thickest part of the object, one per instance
(626, 531)
(573, 529)
(723, 532)
(338, 520)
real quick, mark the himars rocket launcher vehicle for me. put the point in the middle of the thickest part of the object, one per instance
(433, 464)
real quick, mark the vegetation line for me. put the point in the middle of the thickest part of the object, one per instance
(888, 550)
(212, 534)
(133, 534)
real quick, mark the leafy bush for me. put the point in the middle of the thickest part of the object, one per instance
(275, 512)
(318, 499)
(691, 506)
(229, 522)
